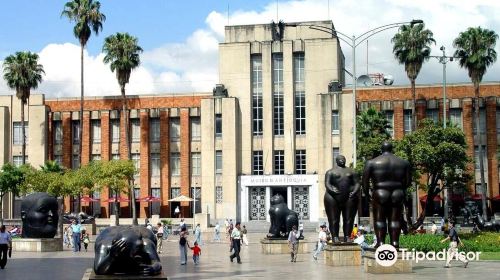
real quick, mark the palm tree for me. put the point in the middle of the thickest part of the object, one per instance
(122, 53)
(87, 17)
(411, 48)
(23, 73)
(476, 52)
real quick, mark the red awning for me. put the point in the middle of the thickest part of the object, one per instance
(496, 198)
(88, 199)
(148, 199)
(457, 198)
(477, 197)
(119, 199)
(437, 198)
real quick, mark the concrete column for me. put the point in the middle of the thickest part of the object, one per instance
(268, 203)
(289, 199)
(289, 108)
(267, 105)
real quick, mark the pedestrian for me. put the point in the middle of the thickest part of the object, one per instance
(293, 243)
(236, 241)
(361, 241)
(183, 245)
(197, 234)
(5, 246)
(177, 212)
(65, 237)
(226, 225)
(354, 232)
(69, 234)
(453, 249)
(217, 232)
(434, 228)
(321, 241)
(76, 228)
(159, 238)
(196, 253)
(86, 240)
(244, 235)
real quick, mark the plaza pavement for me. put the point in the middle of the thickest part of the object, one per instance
(215, 265)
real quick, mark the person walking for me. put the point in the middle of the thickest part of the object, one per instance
(321, 241)
(217, 232)
(5, 246)
(236, 242)
(293, 243)
(361, 241)
(453, 249)
(183, 245)
(244, 235)
(197, 234)
(86, 240)
(76, 228)
(434, 228)
(66, 238)
(177, 212)
(159, 238)
(196, 253)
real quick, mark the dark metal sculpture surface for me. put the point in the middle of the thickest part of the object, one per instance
(341, 197)
(282, 218)
(39, 214)
(126, 250)
(390, 177)
(84, 218)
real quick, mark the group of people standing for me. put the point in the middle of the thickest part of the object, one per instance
(76, 234)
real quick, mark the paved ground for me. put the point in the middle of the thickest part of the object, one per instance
(215, 265)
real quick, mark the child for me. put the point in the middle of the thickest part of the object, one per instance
(196, 253)
(86, 240)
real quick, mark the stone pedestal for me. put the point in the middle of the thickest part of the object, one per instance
(280, 246)
(37, 244)
(342, 254)
(90, 275)
(371, 266)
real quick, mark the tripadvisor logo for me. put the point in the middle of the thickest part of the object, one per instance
(387, 255)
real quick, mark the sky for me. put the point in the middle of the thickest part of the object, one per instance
(180, 38)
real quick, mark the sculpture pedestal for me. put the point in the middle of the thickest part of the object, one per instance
(280, 246)
(371, 266)
(90, 275)
(342, 254)
(37, 244)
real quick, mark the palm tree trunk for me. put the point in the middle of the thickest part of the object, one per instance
(80, 133)
(127, 143)
(23, 130)
(480, 150)
(413, 129)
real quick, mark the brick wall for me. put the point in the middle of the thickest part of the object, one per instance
(165, 163)
(86, 134)
(185, 159)
(492, 145)
(467, 115)
(105, 156)
(145, 182)
(66, 148)
(398, 120)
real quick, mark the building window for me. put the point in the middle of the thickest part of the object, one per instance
(58, 132)
(115, 130)
(257, 163)
(115, 157)
(136, 159)
(95, 157)
(476, 158)
(432, 114)
(75, 131)
(18, 133)
(407, 121)
(75, 161)
(300, 161)
(482, 121)
(96, 131)
(218, 195)
(279, 162)
(278, 113)
(195, 164)
(18, 160)
(175, 130)
(135, 126)
(156, 192)
(195, 129)
(196, 194)
(58, 159)
(336, 153)
(218, 125)
(218, 162)
(175, 164)
(335, 122)
(389, 116)
(456, 117)
(257, 116)
(300, 97)
(154, 130)
(175, 192)
(155, 165)
(479, 189)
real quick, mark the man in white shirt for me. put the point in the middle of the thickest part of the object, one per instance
(236, 240)
(434, 228)
(5, 246)
(321, 241)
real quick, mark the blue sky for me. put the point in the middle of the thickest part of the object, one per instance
(180, 38)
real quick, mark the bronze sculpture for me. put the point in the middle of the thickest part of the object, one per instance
(282, 218)
(390, 176)
(341, 197)
(39, 214)
(126, 250)
(83, 217)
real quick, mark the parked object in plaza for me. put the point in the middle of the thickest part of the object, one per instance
(39, 215)
(390, 176)
(126, 250)
(341, 197)
(84, 218)
(282, 218)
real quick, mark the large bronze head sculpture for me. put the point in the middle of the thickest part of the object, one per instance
(39, 215)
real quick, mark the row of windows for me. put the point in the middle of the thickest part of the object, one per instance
(279, 162)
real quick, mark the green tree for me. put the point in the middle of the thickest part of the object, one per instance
(371, 130)
(87, 17)
(115, 174)
(476, 52)
(122, 53)
(435, 152)
(11, 178)
(23, 73)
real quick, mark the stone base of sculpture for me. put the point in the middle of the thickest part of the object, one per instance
(371, 266)
(90, 275)
(342, 254)
(280, 246)
(37, 244)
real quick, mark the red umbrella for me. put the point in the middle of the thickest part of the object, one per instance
(119, 199)
(496, 198)
(148, 199)
(437, 198)
(88, 199)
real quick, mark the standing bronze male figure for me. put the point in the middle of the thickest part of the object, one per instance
(390, 176)
(341, 197)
